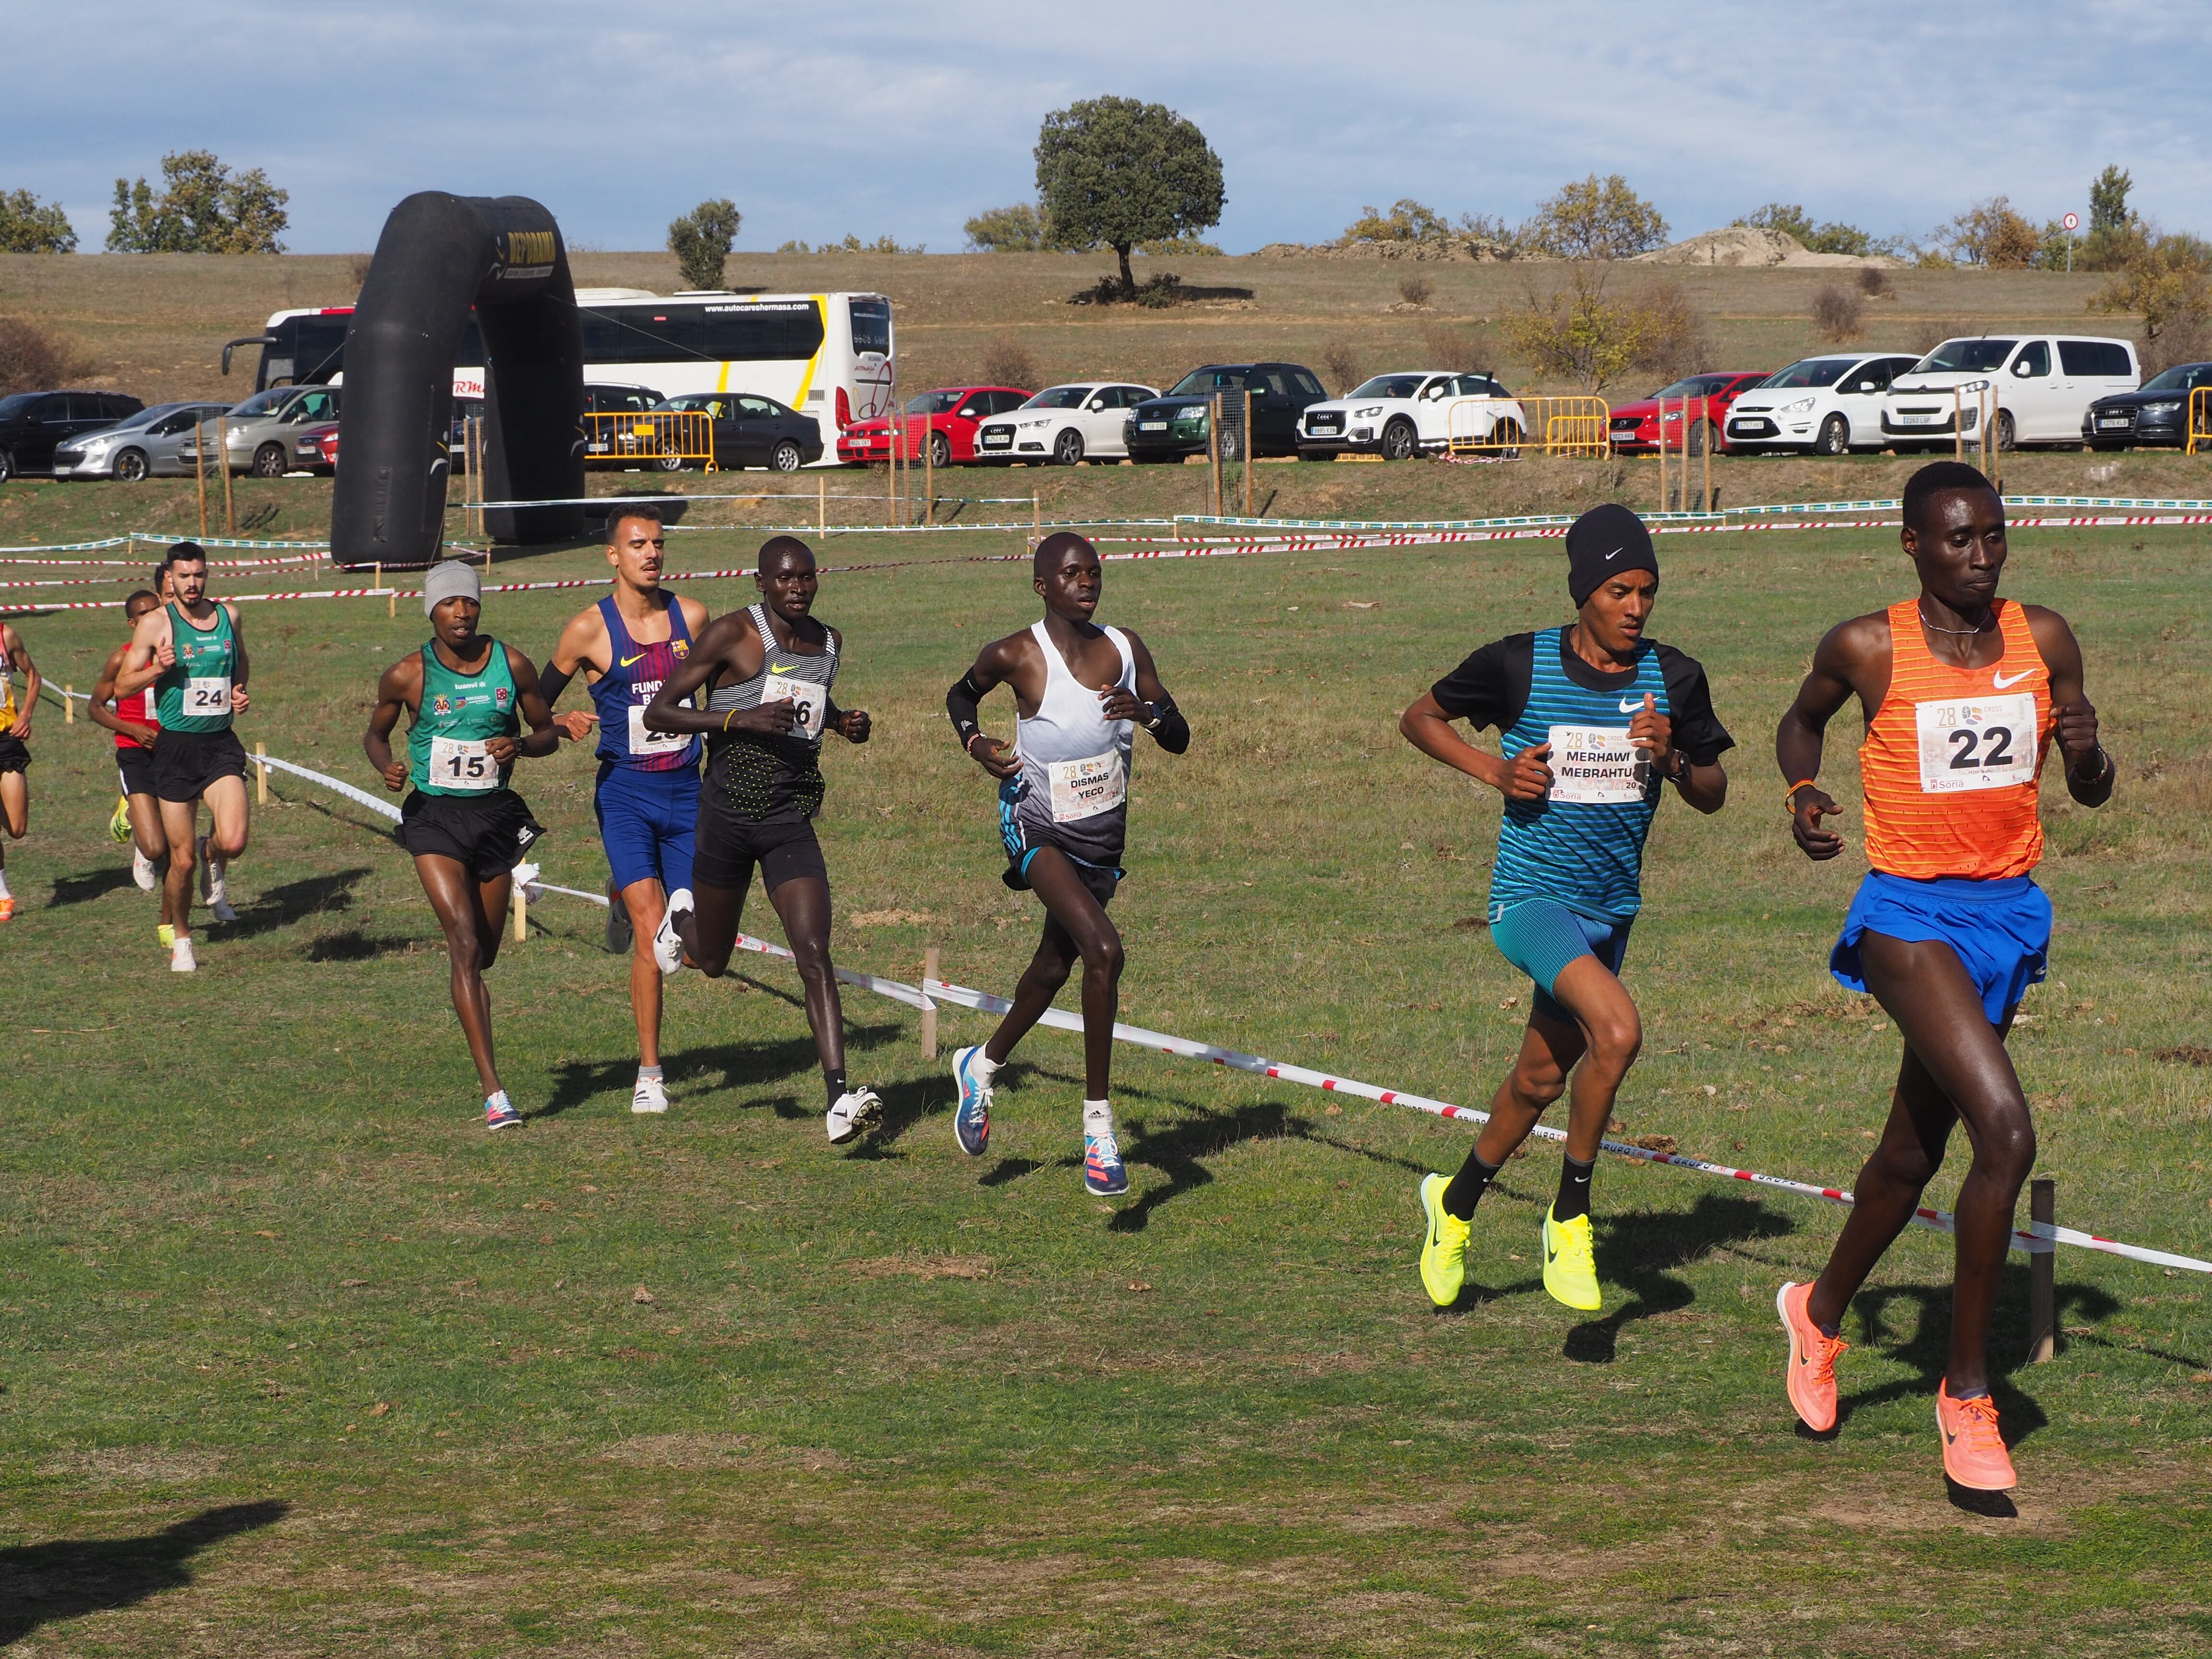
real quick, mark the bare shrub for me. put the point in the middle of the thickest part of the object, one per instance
(1838, 313)
(1672, 338)
(1455, 350)
(1415, 290)
(1009, 362)
(31, 360)
(1932, 331)
(1342, 363)
(2184, 340)
(1874, 283)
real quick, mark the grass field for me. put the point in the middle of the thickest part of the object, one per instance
(298, 1360)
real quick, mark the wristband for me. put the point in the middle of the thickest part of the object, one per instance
(1789, 795)
(727, 718)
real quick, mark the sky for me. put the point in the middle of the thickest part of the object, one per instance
(905, 120)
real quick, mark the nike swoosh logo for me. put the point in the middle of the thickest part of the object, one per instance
(627, 661)
(2003, 682)
(781, 668)
(1631, 705)
(1615, 554)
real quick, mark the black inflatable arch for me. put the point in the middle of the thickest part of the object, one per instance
(440, 255)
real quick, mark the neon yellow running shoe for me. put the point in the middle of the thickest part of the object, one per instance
(167, 934)
(1570, 1263)
(1443, 1251)
(119, 823)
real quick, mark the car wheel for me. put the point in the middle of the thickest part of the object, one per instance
(7, 466)
(1835, 437)
(940, 450)
(1068, 448)
(131, 465)
(1507, 435)
(666, 463)
(2006, 438)
(785, 457)
(1399, 441)
(269, 461)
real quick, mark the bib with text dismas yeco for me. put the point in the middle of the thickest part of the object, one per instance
(194, 694)
(1979, 743)
(812, 696)
(1084, 788)
(1597, 764)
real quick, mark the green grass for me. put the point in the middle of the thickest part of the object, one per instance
(255, 1249)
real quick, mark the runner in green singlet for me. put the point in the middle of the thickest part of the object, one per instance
(468, 695)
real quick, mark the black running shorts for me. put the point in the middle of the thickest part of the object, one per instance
(14, 754)
(727, 847)
(186, 762)
(487, 835)
(134, 771)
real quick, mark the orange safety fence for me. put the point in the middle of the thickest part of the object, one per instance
(666, 438)
(1509, 426)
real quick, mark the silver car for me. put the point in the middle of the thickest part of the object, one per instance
(261, 429)
(147, 446)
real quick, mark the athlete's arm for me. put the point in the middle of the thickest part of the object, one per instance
(1150, 706)
(581, 648)
(1429, 729)
(2090, 772)
(13, 643)
(150, 654)
(997, 664)
(401, 687)
(544, 736)
(731, 646)
(240, 668)
(103, 695)
(1840, 669)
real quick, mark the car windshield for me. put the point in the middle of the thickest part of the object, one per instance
(1698, 386)
(1973, 356)
(1200, 382)
(144, 418)
(261, 403)
(10, 407)
(1390, 386)
(1059, 396)
(934, 403)
(2178, 378)
(1811, 371)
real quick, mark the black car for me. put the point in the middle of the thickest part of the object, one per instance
(1168, 428)
(2155, 414)
(32, 423)
(751, 430)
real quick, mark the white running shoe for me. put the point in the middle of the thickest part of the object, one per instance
(181, 960)
(856, 1110)
(651, 1095)
(667, 943)
(142, 871)
(213, 888)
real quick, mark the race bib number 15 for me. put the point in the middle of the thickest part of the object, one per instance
(463, 763)
(1978, 743)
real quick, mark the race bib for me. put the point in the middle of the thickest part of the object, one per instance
(813, 702)
(463, 763)
(1977, 743)
(645, 742)
(1085, 788)
(206, 697)
(1597, 765)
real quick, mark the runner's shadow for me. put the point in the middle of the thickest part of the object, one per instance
(1177, 1150)
(724, 1067)
(905, 1104)
(92, 884)
(45, 1583)
(355, 945)
(1642, 1249)
(293, 900)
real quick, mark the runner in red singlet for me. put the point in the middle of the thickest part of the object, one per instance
(135, 724)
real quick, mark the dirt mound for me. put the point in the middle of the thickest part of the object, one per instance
(1742, 246)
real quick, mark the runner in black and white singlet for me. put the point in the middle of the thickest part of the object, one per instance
(768, 669)
(14, 753)
(1080, 690)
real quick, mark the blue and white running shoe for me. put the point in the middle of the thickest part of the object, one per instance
(1103, 1175)
(971, 1123)
(500, 1113)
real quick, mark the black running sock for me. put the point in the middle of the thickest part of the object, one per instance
(834, 1082)
(1574, 1189)
(1467, 1188)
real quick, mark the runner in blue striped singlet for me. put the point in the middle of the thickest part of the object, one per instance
(1594, 720)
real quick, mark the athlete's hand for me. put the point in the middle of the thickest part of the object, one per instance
(774, 720)
(576, 725)
(2076, 726)
(992, 755)
(395, 774)
(1118, 702)
(502, 751)
(21, 728)
(239, 702)
(1527, 777)
(1651, 730)
(853, 725)
(165, 654)
(1808, 807)
(145, 734)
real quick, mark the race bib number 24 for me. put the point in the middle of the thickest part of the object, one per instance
(206, 695)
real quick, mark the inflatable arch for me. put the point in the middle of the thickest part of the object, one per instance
(440, 255)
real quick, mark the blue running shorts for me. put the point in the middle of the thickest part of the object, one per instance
(647, 821)
(1541, 938)
(1999, 930)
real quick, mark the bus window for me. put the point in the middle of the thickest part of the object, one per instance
(788, 331)
(872, 325)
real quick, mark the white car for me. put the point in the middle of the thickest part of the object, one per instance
(1827, 405)
(2041, 386)
(1062, 424)
(1399, 416)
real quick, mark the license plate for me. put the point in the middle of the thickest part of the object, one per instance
(1152, 426)
(997, 439)
(2120, 421)
(1916, 420)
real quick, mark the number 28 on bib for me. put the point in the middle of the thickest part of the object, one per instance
(1978, 743)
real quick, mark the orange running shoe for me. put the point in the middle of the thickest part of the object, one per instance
(1973, 1451)
(1812, 1374)
(7, 909)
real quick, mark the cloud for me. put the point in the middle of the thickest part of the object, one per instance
(876, 119)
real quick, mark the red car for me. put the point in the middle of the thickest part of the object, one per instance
(948, 418)
(315, 448)
(1635, 427)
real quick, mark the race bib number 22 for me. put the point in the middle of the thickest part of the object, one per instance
(1976, 742)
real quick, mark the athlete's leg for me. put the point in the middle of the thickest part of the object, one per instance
(1612, 1034)
(645, 902)
(179, 820)
(15, 804)
(1549, 1051)
(146, 827)
(1955, 1066)
(710, 933)
(802, 904)
(1076, 926)
(227, 806)
(472, 914)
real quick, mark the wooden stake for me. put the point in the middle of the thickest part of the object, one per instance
(1036, 519)
(928, 476)
(1959, 422)
(521, 915)
(2042, 1276)
(821, 508)
(1248, 452)
(1705, 437)
(222, 440)
(1663, 454)
(1213, 457)
(69, 704)
(929, 966)
(261, 767)
(199, 468)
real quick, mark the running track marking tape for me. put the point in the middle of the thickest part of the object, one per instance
(2037, 1239)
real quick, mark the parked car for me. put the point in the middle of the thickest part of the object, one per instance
(946, 419)
(751, 430)
(1398, 416)
(2042, 385)
(2155, 415)
(315, 449)
(1167, 429)
(1063, 424)
(612, 442)
(34, 424)
(145, 446)
(1634, 427)
(260, 430)
(1827, 405)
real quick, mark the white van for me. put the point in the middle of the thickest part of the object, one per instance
(2041, 386)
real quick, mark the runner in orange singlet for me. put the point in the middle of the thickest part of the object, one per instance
(1962, 691)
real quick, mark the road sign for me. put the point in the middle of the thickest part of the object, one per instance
(2072, 221)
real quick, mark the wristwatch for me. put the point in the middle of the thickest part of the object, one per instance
(1153, 724)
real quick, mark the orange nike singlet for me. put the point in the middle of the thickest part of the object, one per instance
(1952, 761)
